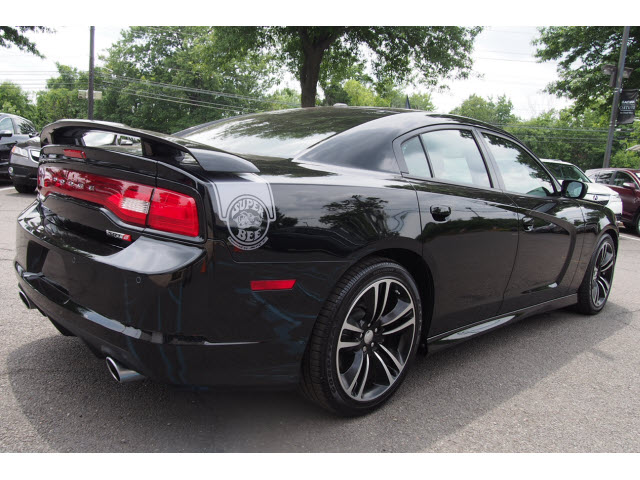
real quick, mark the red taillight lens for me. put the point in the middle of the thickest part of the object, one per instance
(173, 212)
(74, 153)
(257, 285)
(131, 202)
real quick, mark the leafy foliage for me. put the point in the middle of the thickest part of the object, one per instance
(499, 112)
(162, 78)
(334, 54)
(14, 100)
(16, 36)
(581, 52)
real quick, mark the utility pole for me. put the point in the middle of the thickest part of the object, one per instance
(91, 73)
(616, 96)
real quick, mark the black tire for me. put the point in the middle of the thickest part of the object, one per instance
(596, 285)
(22, 188)
(636, 224)
(348, 309)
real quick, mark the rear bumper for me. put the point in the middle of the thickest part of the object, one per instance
(176, 362)
(195, 323)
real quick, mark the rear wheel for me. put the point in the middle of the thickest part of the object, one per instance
(596, 285)
(364, 339)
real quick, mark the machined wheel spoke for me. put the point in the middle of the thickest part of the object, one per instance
(390, 377)
(395, 361)
(604, 285)
(365, 376)
(386, 286)
(399, 311)
(344, 344)
(356, 366)
(607, 263)
(352, 328)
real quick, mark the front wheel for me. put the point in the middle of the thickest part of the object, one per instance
(23, 188)
(364, 339)
(596, 285)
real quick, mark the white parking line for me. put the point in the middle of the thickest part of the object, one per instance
(6, 188)
(622, 235)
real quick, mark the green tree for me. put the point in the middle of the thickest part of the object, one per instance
(498, 112)
(397, 53)
(14, 100)
(60, 98)
(16, 36)
(161, 78)
(581, 52)
(567, 135)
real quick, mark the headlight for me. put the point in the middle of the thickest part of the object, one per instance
(19, 151)
(35, 154)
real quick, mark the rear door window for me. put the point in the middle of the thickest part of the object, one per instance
(521, 173)
(454, 156)
(415, 158)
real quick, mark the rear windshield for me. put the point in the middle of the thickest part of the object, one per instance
(282, 134)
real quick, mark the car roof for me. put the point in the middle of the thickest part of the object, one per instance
(616, 169)
(553, 160)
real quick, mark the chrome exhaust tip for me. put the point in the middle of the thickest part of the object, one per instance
(25, 300)
(120, 373)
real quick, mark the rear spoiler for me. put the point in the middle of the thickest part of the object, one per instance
(156, 146)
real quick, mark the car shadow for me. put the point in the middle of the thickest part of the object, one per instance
(71, 401)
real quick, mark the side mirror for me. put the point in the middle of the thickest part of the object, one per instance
(6, 133)
(630, 185)
(573, 189)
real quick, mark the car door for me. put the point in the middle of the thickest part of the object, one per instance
(630, 196)
(549, 228)
(469, 227)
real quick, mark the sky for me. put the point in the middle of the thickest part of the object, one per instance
(503, 64)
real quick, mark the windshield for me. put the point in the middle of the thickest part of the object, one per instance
(284, 133)
(567, 172)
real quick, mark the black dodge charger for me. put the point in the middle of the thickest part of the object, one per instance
(315, 247)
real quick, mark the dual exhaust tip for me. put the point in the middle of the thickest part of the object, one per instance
(117, 370)
(122, 374)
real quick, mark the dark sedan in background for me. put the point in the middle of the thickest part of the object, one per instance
(13, 130)
(23, 165)
(316, 247)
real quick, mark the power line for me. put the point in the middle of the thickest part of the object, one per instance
(199, 90)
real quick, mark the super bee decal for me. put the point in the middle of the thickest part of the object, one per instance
(246, 206)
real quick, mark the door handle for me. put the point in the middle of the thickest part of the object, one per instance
(440, 212)
(527, 224)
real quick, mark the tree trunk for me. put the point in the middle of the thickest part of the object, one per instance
(309, 75)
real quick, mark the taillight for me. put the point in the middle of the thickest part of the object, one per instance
(173, 212)
(133, 203)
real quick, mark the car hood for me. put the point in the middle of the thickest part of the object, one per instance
(599, 189)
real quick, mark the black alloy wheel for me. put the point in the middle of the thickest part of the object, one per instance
(364, 340)
(596, 285)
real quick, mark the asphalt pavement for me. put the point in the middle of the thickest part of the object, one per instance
(556, 382)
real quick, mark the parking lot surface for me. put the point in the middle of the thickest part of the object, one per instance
(556, 382)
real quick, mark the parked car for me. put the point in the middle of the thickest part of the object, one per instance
(625, 181)
(13, 130)
(596, 192)
(23, 165)
(317, 247)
